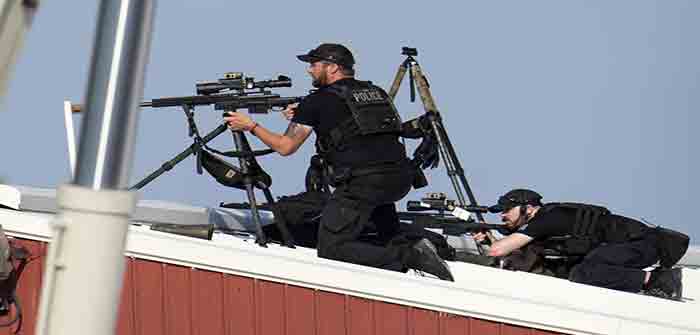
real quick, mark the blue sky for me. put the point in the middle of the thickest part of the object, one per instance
(591, 101)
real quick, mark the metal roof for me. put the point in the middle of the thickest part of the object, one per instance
(508, 297)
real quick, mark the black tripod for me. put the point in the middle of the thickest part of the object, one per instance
(454, 169)
(248, 168)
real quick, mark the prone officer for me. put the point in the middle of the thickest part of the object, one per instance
(357, 130)
(613, 249)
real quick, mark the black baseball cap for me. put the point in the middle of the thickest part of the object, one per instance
(334, 53)
(516, 197)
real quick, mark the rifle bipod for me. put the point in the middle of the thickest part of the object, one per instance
(246, 177)
(454, 169)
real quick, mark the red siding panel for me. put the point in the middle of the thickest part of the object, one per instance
(543, 332)
(477, 326)
(300, 311)
(178, 307)
(454, 325)
(239, 305)
(515, 330)
(390, 318)
(170, 299)
(421, 321)
(148, 298)
(360, 316)
(269, 299)
(29, 286)
(330, 313)
(207, 303)
(125, 320)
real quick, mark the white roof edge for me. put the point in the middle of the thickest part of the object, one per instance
(9, 196)
(487, 293)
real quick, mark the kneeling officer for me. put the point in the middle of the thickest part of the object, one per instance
(357, 130)
(614, 249)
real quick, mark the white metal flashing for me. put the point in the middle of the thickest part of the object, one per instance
(482, 292)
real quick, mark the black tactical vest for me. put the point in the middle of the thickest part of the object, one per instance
(593, 226)
(372, 113)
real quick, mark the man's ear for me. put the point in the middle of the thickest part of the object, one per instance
(530, 210)
(333, 68)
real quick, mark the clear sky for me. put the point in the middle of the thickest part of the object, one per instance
(591, 101)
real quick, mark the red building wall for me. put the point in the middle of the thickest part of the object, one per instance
(169, 299)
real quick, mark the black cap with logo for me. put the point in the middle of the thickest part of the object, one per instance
(334, 53)
(516, 197)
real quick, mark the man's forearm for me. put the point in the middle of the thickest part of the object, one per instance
(286, 144)
(271, 139)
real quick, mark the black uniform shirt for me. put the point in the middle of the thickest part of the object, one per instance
(324, 111)
(548, 223)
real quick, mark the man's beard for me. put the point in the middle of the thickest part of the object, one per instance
(320, 81)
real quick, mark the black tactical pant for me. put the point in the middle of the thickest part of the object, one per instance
(618, 266)
(352, 206)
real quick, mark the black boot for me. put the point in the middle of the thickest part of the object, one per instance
(425, 258)
(665, 283)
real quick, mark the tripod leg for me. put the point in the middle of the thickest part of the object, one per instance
(260, 238)
(400, 73)
(280, 222)
(447, 159)
(446, 149)
(423, 89)
(241, 144)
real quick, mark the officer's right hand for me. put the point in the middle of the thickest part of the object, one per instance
(479, 237)
(289, 111)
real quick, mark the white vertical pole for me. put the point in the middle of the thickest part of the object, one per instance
(85, 265)
(70, 135)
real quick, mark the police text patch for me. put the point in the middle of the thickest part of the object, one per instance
(367, 96)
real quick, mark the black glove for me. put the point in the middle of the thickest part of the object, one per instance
(426, 154)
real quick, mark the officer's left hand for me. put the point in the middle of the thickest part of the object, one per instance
(239, 121)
